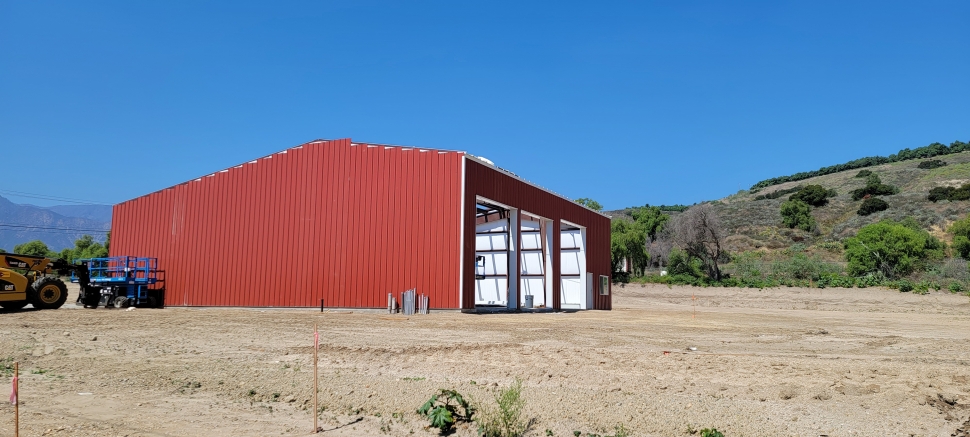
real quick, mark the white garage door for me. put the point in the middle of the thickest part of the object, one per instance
(492, 243)
(572, 281)
(533, 271)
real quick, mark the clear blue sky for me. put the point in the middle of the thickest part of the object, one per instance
(625, 102)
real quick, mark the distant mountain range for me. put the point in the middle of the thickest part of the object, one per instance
(57, 226)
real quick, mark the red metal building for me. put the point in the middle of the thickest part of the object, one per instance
(350, 222)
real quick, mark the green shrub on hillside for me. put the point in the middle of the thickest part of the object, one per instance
(894, 249)
(863, 173)
(814, 195)
(949, 193)
(874, 187)
(961, 237)
(931, 164)
(797, 214)
(872, 205)
(778, 193)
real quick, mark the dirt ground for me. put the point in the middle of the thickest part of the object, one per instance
(775, 362)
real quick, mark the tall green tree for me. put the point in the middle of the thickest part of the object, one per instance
(590, 203)
(628, 241)
(650, 219)
(84, 248)
(35, 248)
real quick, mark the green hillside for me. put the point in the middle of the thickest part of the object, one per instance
(755, 222)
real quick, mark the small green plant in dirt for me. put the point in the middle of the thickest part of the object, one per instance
(831, 246)
(504, 419)
(6, 366)
(955, 287)
(618, 431)
(711, 432)
(446, 408)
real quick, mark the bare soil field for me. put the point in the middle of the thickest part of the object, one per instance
(774, 362)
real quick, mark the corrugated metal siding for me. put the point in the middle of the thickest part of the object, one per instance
(486, 181)
(334, 220)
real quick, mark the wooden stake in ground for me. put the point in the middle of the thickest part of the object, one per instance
(14, 394)
(316, 346)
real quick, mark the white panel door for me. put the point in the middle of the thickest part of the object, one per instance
(492, 244)
(571, 262)
(573, 293)
(531, 240)
(491, 291)
(532, 263)
(572, 238)
(573, 269)
(496, 264)
(535, 287)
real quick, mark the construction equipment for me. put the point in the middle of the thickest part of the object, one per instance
(122, 282)
(28, 279)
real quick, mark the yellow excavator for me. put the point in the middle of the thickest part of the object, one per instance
(28, 279)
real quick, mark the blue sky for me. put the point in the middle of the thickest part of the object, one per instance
(625, 102)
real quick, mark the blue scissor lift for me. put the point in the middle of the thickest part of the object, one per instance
(126, 281)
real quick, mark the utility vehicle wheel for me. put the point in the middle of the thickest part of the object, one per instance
(48, 293)
(13, 305)
(121, 302)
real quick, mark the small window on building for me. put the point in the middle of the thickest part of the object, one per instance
(604, 285)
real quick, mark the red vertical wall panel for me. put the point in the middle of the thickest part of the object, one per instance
(345, 222)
